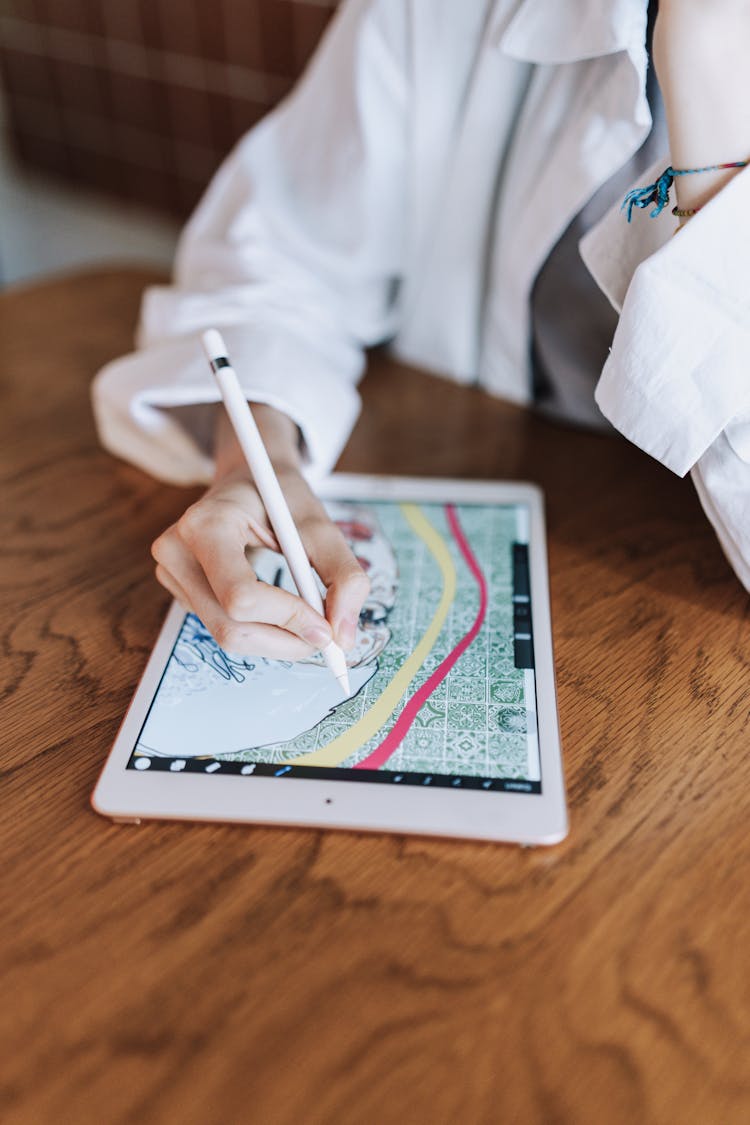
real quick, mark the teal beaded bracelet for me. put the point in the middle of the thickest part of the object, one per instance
(658, 193)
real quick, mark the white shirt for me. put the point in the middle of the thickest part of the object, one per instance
(410, 189)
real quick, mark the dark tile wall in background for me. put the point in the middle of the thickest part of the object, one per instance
(142, 98)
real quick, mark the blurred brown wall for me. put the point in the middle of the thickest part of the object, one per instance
(142, 98)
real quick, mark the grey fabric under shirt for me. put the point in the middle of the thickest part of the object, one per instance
(572, 321)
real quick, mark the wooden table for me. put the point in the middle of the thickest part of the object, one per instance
(199, 974)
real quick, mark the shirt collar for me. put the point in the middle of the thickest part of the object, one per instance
(562, 31)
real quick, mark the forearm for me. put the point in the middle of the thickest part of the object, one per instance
(701, 58)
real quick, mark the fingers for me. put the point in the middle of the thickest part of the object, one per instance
(246, 604)
(246, 638)
(217, 535)
(173, 587)
(255, 640)
(346, 582)
(201, 560)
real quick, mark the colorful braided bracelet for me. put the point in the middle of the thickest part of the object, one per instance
(658, 193)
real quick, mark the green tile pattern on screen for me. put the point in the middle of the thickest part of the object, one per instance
(475, 722)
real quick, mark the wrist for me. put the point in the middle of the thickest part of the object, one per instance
(280, 437)
(699, 53)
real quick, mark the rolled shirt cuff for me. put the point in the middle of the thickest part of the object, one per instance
(135, 397)
(677, 372)
(722, 481)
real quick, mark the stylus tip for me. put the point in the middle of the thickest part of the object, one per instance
(343, 682)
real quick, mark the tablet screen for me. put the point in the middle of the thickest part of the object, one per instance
(443, 686)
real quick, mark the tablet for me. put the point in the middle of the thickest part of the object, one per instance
(450, 728)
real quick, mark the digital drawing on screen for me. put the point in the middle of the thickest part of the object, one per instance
(442, 678)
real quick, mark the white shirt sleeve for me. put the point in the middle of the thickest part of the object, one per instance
(677, 381)
(722, 480)
(295, 253)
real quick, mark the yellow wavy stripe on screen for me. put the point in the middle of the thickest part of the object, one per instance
(387, 702)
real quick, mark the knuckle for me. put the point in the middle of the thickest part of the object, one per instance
(298, 620)
(202, 519)
(225, 635)
(161, 574)
(160, 545)
(210, 519)
(190, 522)
(353, 582)
(239, 602)
(357, 581)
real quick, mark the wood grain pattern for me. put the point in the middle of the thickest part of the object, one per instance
(199, 974)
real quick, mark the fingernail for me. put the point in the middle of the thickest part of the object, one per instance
(317, 636)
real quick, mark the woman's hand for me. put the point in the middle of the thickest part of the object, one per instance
(202, 559)
(700, 53)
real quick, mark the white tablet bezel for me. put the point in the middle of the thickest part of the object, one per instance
(528, 818)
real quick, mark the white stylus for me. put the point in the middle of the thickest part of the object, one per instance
(266, 481)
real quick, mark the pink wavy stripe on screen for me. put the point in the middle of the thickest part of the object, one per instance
(396, 736)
